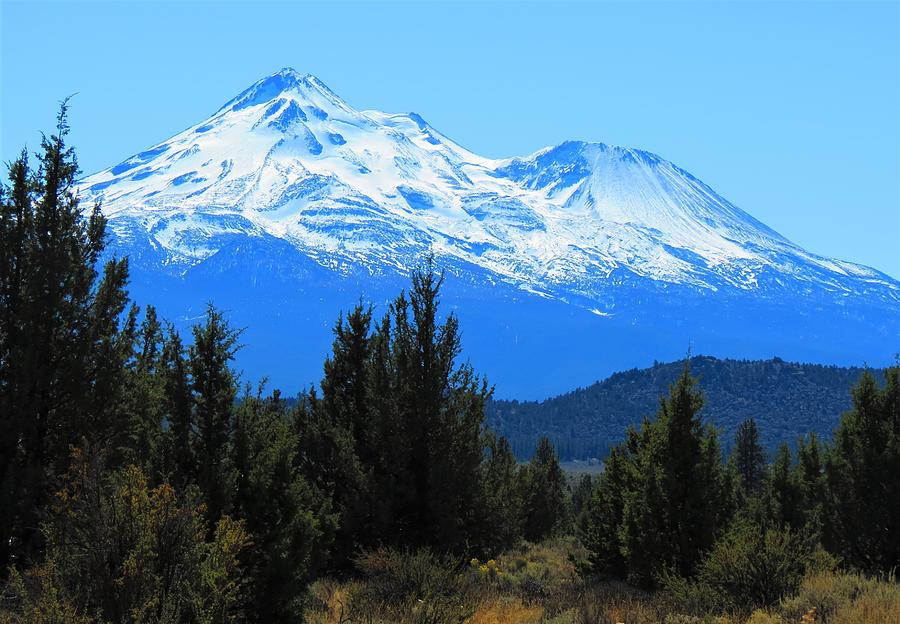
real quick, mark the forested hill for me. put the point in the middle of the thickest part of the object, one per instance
(785, 398)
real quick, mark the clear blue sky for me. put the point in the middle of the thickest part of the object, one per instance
(790, 110)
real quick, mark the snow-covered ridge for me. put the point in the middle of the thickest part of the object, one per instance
(289, 158)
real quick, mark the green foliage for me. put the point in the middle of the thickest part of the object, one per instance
(215, 388)
(783, 492)
(290, 521)
(119, 550)
(749, 568)
(786, 400)
(544, 493)
(413, 586)
(862, 471)
(600, 525)
(177, 406)
(391, 459)
(664, 496)
(397, 434)
(62, 349)
(500, 511)
(749, 458)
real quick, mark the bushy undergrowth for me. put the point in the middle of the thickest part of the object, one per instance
(540, 584)
(749, 568)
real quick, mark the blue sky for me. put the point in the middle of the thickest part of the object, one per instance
(790, 110)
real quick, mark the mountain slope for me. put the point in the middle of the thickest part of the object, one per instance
(786, 399)
(289, 177)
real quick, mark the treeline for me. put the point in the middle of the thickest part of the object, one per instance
(786, 399)
(140, 483)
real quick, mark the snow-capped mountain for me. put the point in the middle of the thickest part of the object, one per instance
(288, 182)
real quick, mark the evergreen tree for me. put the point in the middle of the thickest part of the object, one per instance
(178, 412)
(811, 483)
(685, 490)
(675, 495)
(581, 493)
(396, 435)
(749, 458)
(783, 493)
(544, 492)
(142, 402)
(214, 390)
(62, 348)
(600, 525)
(440, 410)
(345, 429)
(500, 510)
(862, 471)
(290, 522)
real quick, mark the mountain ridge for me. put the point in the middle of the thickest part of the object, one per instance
(787, 400)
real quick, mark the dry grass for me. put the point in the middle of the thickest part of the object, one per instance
(506, 611)
(539, 584)
(330, 602)
(880, 604)
(844, 598)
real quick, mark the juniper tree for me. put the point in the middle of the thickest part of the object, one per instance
(600, 524)
(289, 520)
(501, 503)
(783, 493)
(862, 470)
(673, 491)
(214, 390)
(544, 492)
(749, 458)
(62, 349)
(441, 411)
(181, 462)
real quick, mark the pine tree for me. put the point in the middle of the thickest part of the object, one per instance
(345, 427)
(783, 493)
(500, 509)
(177, 400)
(749, 458)
(545, 492)
(214, 390)
(441, 412)
(396, 435)
(143, 402)
(290, 522)
(676, 498)
(811, 482)
(862, 469)
(62, 348)
(600, 525)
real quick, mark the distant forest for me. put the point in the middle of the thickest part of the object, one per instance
(786, 399)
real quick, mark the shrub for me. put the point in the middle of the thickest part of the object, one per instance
(749, 568)
(756, 567)
(879, 605)
(844, 598)
(539, 574)
(763, 617)
(414, 587)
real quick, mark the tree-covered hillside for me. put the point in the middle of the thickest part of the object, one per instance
(786, 399)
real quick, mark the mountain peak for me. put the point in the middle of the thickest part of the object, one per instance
(286, 81)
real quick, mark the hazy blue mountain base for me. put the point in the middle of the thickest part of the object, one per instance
(529, 346)
(786, 399)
